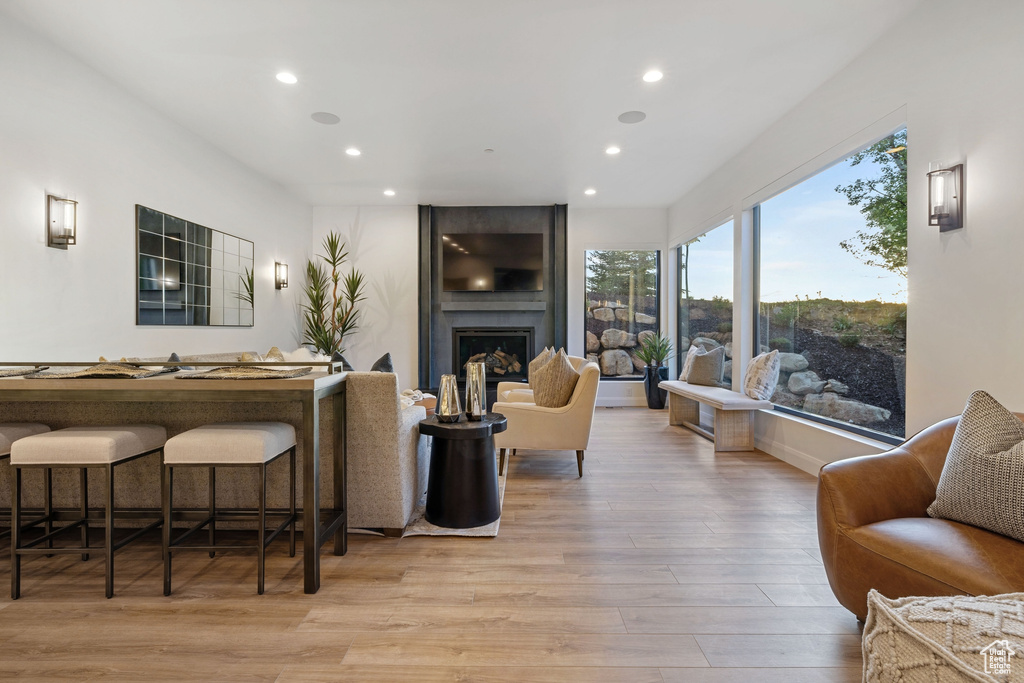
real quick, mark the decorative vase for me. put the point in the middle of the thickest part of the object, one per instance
(655, 397)
(448, 408)
(476, 390)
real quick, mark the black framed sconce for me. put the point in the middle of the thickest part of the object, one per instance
(946, 198)
(61, 222)
(280, 275)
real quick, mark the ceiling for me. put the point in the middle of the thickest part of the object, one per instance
(422, 87)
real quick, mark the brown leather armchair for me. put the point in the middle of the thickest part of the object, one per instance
(874, 530)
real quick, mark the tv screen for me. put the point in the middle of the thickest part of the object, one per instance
(491, 262)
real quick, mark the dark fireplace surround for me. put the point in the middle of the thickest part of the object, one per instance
(457, 325)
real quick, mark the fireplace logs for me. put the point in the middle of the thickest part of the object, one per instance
(499, 362)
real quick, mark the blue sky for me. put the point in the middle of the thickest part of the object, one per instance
(800, 254)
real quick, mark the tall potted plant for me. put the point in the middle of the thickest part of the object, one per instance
(330, 312)
(654, 349)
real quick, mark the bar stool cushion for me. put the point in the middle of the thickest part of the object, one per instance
(76, 446)
(12, 431)
(230, 443)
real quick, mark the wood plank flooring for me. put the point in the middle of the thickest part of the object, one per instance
(664, 563)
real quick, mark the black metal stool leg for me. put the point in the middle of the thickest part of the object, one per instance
(109, 531)
(261, 546)
(167, 482)
(291, 506)
(85, 511)
(213, 508)
(15, 532)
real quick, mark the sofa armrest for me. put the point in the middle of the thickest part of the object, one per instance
(512, 386)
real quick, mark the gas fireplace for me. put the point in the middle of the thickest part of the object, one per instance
(505, 352)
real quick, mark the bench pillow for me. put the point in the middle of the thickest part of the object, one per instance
(762, 375)
(706, 368)
(982, 481)
(693, 351)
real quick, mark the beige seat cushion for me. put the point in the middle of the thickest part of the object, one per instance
(516, 396)
(12, 431)
(87, 445)
(230, 443)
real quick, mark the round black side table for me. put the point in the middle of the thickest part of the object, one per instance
(462, 490)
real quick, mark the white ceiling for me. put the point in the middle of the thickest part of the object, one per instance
(423, 86)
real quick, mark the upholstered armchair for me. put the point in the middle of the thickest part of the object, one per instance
(388, 461)
(531, 427)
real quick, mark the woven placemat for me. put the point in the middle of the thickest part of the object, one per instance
(21, 372)
(247, 373)
(104, 371)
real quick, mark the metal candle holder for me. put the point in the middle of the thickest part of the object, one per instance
(476, 390)
(448, 408)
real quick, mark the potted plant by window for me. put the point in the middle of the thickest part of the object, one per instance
(654, 349)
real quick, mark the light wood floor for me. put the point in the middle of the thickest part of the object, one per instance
(665, 562)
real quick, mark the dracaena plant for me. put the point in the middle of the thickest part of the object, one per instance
(331, 310)
(654, 350)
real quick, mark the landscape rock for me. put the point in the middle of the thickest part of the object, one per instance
(593, 344)
(605, 314)
(637, 363)
(787, 399)
(837, 387)
(707, 342)
(593, 358)
(590, 314)
(616, 362)
(728, 350)
(805, 382)
(727, 371)
(614, 339)
(644, 319)
(792, 362)
(845, 410)
(622, 314)
(641, 336)
(684, 344)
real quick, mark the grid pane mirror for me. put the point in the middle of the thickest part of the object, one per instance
(189, 274)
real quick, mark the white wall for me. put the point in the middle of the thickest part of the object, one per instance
(623, 228)
(959, 105)
(383, 244)
(66, 130)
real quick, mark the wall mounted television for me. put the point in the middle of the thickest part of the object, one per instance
(492, 262)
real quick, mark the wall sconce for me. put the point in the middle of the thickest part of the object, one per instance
(946, 198)
(280, 275)
(61, 222)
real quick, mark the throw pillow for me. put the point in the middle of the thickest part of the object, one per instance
(338, 358)
(706, 368)
(383, 364)
(982, 482)
(274, 355)
(762, 375)
(554, 382)
(250, 357)
(693, 351)
(537, 363)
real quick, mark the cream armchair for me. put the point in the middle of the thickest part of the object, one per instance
(388, 460)
(531, 427)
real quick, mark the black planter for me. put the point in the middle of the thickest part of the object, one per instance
(655, 397)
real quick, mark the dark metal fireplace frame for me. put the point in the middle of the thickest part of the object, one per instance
(458, 332)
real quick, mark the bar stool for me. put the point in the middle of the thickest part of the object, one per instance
(9, 433)
(228, 444)
(82, 448)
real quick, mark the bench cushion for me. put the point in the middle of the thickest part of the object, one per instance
(12, 431)
(230, 443)
(723, 399)
(76, 446)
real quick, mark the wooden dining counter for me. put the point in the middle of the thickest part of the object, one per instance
(314, 404)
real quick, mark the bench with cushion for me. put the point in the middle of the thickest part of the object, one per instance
(733, 429)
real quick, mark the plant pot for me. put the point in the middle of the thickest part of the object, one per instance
(655, 397)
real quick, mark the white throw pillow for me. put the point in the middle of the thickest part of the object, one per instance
(695, 350)
(762, 375)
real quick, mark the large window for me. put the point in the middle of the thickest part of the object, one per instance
(833, 289)
(705, 294)
(622, 307)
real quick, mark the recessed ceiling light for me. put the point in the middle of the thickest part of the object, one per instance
(453, 244)
(653, 76)
(326, 118)
(589, 191)
(632, 117)
(288, 78)
(389, 193)
(612, 150)
(445, 237)
(488, 150)
(352, 152)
